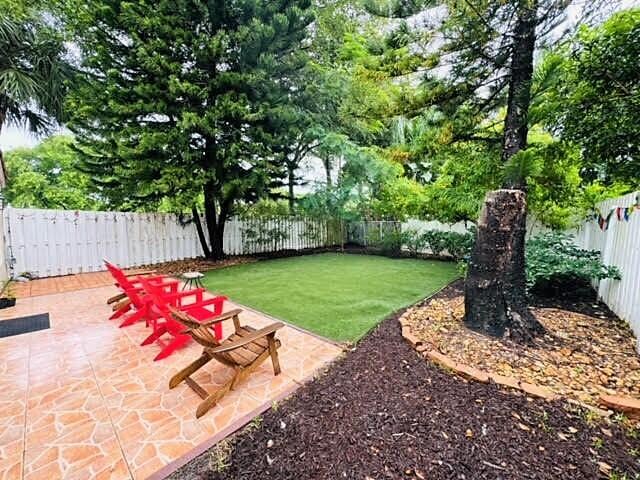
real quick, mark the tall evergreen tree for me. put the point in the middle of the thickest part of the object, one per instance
(181, 99)
(487, 51)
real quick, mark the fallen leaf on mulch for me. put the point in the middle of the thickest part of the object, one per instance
(581, 355)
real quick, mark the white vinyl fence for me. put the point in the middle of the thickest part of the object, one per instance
(57, 242)
(618, 245)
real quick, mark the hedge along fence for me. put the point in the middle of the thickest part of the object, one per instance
(413, 236)
(249, 236)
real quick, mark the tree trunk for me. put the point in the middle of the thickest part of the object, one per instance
(217, 241)
(215, 222)
(3, 168)
(201, 236)
(516, 125)
(495, 301)
(291, 179)
(495, 287)
(326, 162)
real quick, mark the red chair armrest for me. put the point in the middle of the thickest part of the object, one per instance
(197, 292)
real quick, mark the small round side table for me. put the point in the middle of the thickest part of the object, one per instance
(192, 280)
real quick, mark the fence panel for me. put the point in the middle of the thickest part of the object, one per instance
(60, 242)
(618, 245)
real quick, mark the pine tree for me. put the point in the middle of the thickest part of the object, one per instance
(181, 99)
(487, 51)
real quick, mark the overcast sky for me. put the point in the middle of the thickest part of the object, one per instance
(12, 137)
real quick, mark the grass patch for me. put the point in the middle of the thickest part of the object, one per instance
(339, 296)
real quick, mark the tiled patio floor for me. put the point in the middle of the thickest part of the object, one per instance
(65, 283)
(83, 400)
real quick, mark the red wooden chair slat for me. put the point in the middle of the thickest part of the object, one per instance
(163, 322)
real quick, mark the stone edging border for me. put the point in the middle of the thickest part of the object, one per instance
(628, 405)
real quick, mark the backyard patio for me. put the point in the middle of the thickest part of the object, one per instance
(319, 240)
(84, 400)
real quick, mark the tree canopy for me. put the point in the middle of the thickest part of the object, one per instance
(185, 98)
(46, 176)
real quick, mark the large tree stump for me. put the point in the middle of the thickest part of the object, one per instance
(495, 288)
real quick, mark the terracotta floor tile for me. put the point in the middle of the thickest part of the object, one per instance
(96, 404)
(11, 467)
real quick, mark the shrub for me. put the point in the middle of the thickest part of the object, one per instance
(414, 241)
(435, 240)
(458, 245)
(389, 239)
(554, 261)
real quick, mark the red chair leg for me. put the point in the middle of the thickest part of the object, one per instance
(133, 318)
(217, 330)
(178, 342)
(158, 331)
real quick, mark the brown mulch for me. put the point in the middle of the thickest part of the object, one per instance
(177, 267)
(586, 351)
(384, 412)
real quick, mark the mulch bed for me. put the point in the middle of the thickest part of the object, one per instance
(586, 351)
(384, 412)
(199, 264)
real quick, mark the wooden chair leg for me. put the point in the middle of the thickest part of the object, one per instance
(210, 401)
(273, 352)
(116, 298)
(120, 309)
(189, 370)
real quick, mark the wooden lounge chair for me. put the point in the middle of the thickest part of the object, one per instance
(243, 351)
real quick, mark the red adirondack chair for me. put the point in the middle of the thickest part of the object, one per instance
(163, 322)
(133, 295)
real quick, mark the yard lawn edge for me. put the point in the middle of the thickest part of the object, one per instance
(227, 432)
(343, 344)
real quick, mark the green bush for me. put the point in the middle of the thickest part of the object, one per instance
(414, 241)
(389, 240)
(435, 241)
(458, 245)
(554, 261)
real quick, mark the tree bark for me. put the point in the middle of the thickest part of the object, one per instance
(516, 123)
(495, 300)
(3, 168)
(201, 236)
(215, 221)
(326, 162)
(291, 179)
(495, 287)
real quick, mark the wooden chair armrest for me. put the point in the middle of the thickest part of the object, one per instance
(222, 317)
(177, 313)
(116, 298)
(263, 332)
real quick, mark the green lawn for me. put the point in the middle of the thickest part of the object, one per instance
(339, 296)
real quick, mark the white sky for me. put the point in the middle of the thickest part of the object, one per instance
(12, 137)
